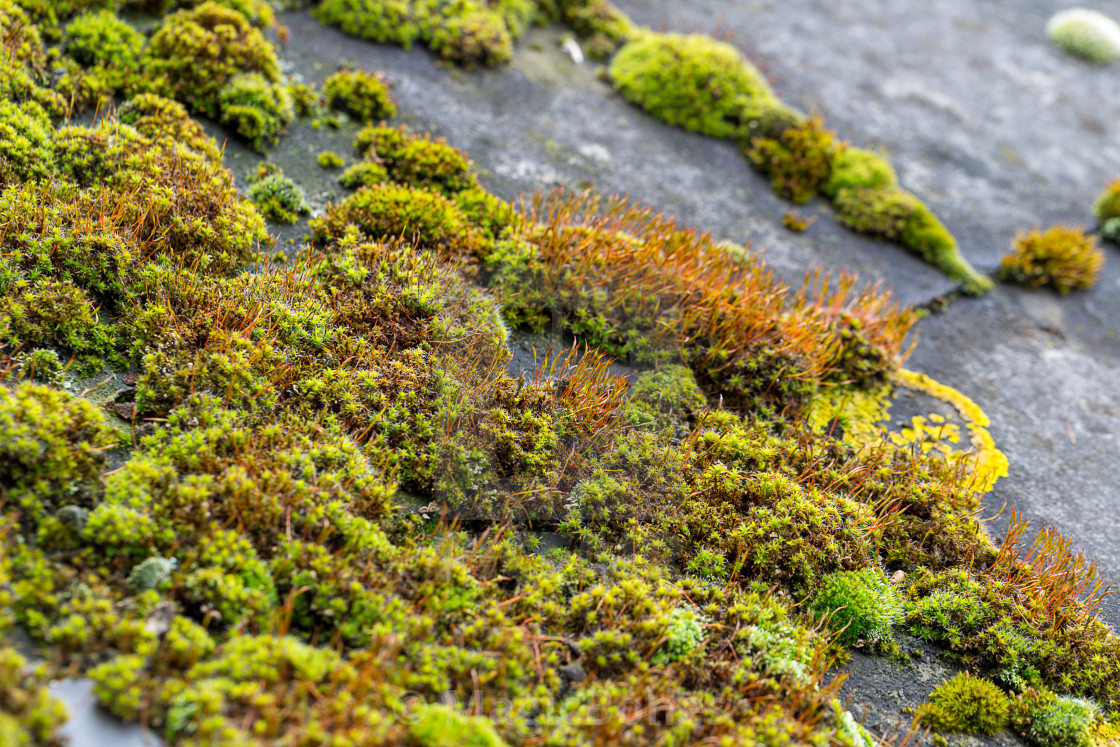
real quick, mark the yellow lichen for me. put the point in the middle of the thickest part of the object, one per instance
(988, 463)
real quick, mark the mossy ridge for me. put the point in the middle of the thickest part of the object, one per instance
(290, 402)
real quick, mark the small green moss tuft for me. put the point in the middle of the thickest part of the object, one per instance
(363, 95)
(1045, 720)
(25, 142)
(443, 726)
(691, 81)
(328, 159)
(859, 168)
(966, 704)
(200, 49)
(256, 108)
(1107, 212)
(1061, 257)
(279, 198)
(418, 161)
(103, 41)
(927, 237)
(1087, 34)
(862, 604)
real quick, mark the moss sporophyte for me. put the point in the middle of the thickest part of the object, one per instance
(308, 503)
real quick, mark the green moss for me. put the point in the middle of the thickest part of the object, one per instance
(198, 51)
(966, 704)
(1106, 208)
(328, 159)
(434, 725)
(29, 716)
(101, 40)
(1086, 34)
(1045, 720)
(692, 82)
(860, 169)
(927, 237)
(25, 142)
(166, 120)
(877, 212)
(256, 109)
(799, 162)
(860, 605)
(389, 211)
(363, 95)
(1062, 257)
(363, 174)
(666, 397)
(417, 161)
(383, 21)
(279, 198)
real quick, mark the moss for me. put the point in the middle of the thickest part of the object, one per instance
(279, 198)
(859, 169)
(363, 95)
(1045, 720)
(388, 211)
(328, 159)
(1106, 208)
(1086, 34)
(433, 725)
(417, 161)
(363, 174)
(1062, 257)
(692, 82)
(256, 109)
(878, 212)
(160, 119)
(966, 704)
(927, 237)
(29, 716)
(799, 162)
(377, 20)
(101, 40)
(25, 142)
(666, 397)
(198, 51)
(860, 605)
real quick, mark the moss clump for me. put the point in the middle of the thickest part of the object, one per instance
(666, 397)
(1044, 720)
(29, 716)
(1061, 257)
(856, 168)
(435, 725)
(108, 45)
(279, 198)
(897, 215)
(199, 50)
(161, 119)
(692, 82)
(799, 162)
(966, 704)
(390, 211)
(1106, 209)
(418, 161)
(1086, 34)
(256, 109)
(363, 174)
(363, 95)
(860, 605)
(25, 142)
(328, 159)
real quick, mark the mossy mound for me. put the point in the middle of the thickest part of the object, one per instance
(1061, 257)
(1087, 34)
(966, 704)
(692, 82)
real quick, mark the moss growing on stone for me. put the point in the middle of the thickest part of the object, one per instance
(799, 161)
(856, 168)
(1106, 209)
(199, 50)
(859, 605)
(256, 109)
(418, 161)
(361, 94)
(1087, 34)
(692, 82)
(279, 198)
(1061, 257)
(1043, 719)
(966, 704)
